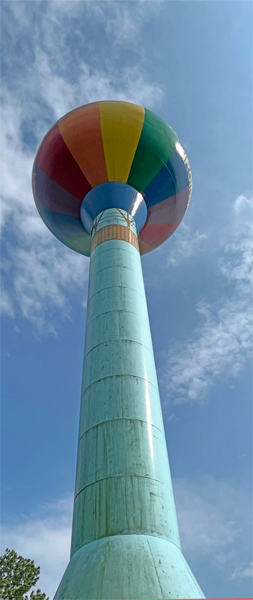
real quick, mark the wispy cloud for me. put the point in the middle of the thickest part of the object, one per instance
(127, 84)
(44, 537)
(242, 202)
(186, 245)
(215, 524)
(242, 572)
(43, 279)
(222, 344)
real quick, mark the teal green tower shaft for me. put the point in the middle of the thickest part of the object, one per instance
(125, 540)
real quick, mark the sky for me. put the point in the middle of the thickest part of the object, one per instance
(189, 62)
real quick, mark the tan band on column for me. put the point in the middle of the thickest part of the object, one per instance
(114, 232)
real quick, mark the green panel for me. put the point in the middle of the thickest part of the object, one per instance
(79, 243)
(155, 148)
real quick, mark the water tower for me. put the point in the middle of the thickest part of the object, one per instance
(111, 181)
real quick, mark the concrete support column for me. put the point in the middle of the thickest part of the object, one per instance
(123, 482)
(125, 541)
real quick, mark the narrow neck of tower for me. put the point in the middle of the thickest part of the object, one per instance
(114, 224)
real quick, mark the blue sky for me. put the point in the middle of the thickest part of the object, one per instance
(190, 62)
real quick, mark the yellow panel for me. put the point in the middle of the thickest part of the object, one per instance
(121, 125)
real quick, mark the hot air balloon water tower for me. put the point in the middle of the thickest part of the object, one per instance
(111, 181)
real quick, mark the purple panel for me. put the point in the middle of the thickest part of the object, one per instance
(156, 234)
(51, 196)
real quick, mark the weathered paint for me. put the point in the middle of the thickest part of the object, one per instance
(125, 540)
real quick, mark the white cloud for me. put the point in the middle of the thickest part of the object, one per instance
(186, 245)
(208, 514)
(215, 526)
(242, 202)
(6, 304)
(127, 84)
(123, 19)
(42, 279)
(45, 538)
(221, 346)
(242, 572)
(16, 163)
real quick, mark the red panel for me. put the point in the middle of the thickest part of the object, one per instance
(154, 235)
(57, 162)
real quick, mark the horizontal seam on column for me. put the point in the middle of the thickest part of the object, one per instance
(116, 340)
(117, 223)
(131, 266)
(114, 267)
(116, 310)
(123, 475)
(109, 287)
(119, 419)
(125, 250)
(106, 537)
(120, 375)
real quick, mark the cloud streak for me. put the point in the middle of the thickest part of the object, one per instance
(44, 537)
(128, 84)
(221, 346)
(187, 244)
(242, 572)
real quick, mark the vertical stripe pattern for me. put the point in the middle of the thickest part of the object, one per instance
(111, 141)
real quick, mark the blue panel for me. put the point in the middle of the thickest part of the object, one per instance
(68, 230)
(160, 188)
(51, 196)
(177, 166)
(170, 180)
(170, 210)
(64, 224)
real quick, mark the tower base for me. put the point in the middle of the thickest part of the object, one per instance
(126, 567)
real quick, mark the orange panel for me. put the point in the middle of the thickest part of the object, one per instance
(81, 131)
(144, 248)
